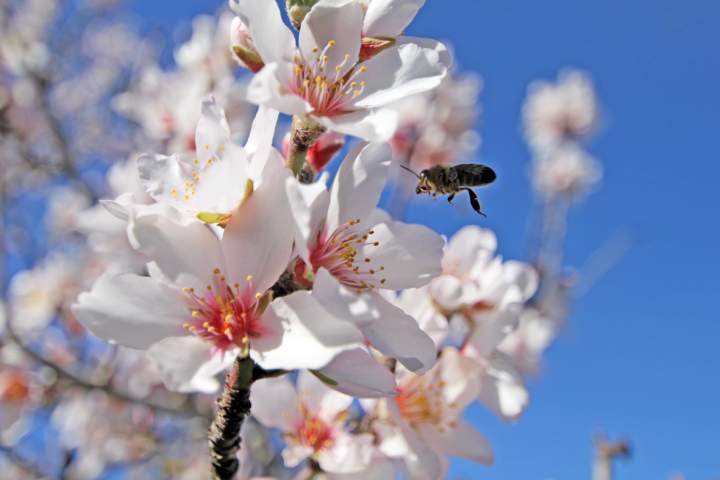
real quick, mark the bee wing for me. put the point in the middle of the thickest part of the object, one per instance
(475, 174)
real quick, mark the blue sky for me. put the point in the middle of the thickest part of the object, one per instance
(638, 357)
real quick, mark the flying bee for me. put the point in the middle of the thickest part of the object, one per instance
(449, 181)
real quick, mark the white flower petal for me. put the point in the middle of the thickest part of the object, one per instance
(131, 310)
(260, 139)
(258, 239)
(490, 330)
(462, 441)
(309, 205)
(185, 251)
(349, 453)
(273, 40)
(358, 184)
(188, 364)
(275, 403)
(402, 71)
(502, 389)
(294, 453)
(340, 22)
(387, 327)
(369, 125)
(212, 132)
(411, 254)
(389, 18)
(469, 250)
(358, 374)
(312, 337)
(267, 88)
(319, 399)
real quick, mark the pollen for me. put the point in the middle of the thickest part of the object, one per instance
(346, 254)
(326, 82)
(224, 315)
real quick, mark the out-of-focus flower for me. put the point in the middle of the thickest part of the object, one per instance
(314, 422)
(566, 110)
(479, 299)
(106, 233)
(528, 342)
(566, 171)
(436, 128)
(207, 48)
(351, 251)
(38, 295)
(322, 77)
(64, 205)
(424, 422)
(102, 431)
(17, 393)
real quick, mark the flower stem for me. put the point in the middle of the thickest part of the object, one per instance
(233, 406)
(305, 131)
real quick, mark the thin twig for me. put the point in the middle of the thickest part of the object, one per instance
(185, 410)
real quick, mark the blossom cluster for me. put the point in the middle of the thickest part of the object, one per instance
(214, 243)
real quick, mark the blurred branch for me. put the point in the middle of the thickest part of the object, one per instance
(67, 166)
(605, 454)
(186, 409)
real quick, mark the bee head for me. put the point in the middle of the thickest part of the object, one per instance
(424, 185)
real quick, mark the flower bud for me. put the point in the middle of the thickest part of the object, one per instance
(243, 46)
(324, 149)
(371, 46)
(297, 9)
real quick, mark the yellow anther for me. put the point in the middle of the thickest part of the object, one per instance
(331, 43)
(216, 271)
(248, 278)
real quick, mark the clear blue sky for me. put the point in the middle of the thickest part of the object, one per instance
(639, 358)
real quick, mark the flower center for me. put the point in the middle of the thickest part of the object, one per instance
(15, 388)
(315, 433)
(343, 255)
(326, 87)
(226, 315)
(420, 400)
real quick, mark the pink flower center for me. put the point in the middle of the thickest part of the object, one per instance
(343, 255)
(420, 400)
(14, 388)
(315, 433)
(326, 87)
(226, 315)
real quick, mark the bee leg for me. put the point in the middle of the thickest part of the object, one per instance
(450, 198)
(474, 202)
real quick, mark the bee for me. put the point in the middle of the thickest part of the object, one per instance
(445, 180)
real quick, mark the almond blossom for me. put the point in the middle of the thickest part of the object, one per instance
(208, 297)
(313, 421)
(351, 251)
(323, 78)
(482, 297)
(220, 175)
(424, 421)
(566, 171)
(556, 112)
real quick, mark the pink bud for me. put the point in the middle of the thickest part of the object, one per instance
(243, 46)
(325, 149)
